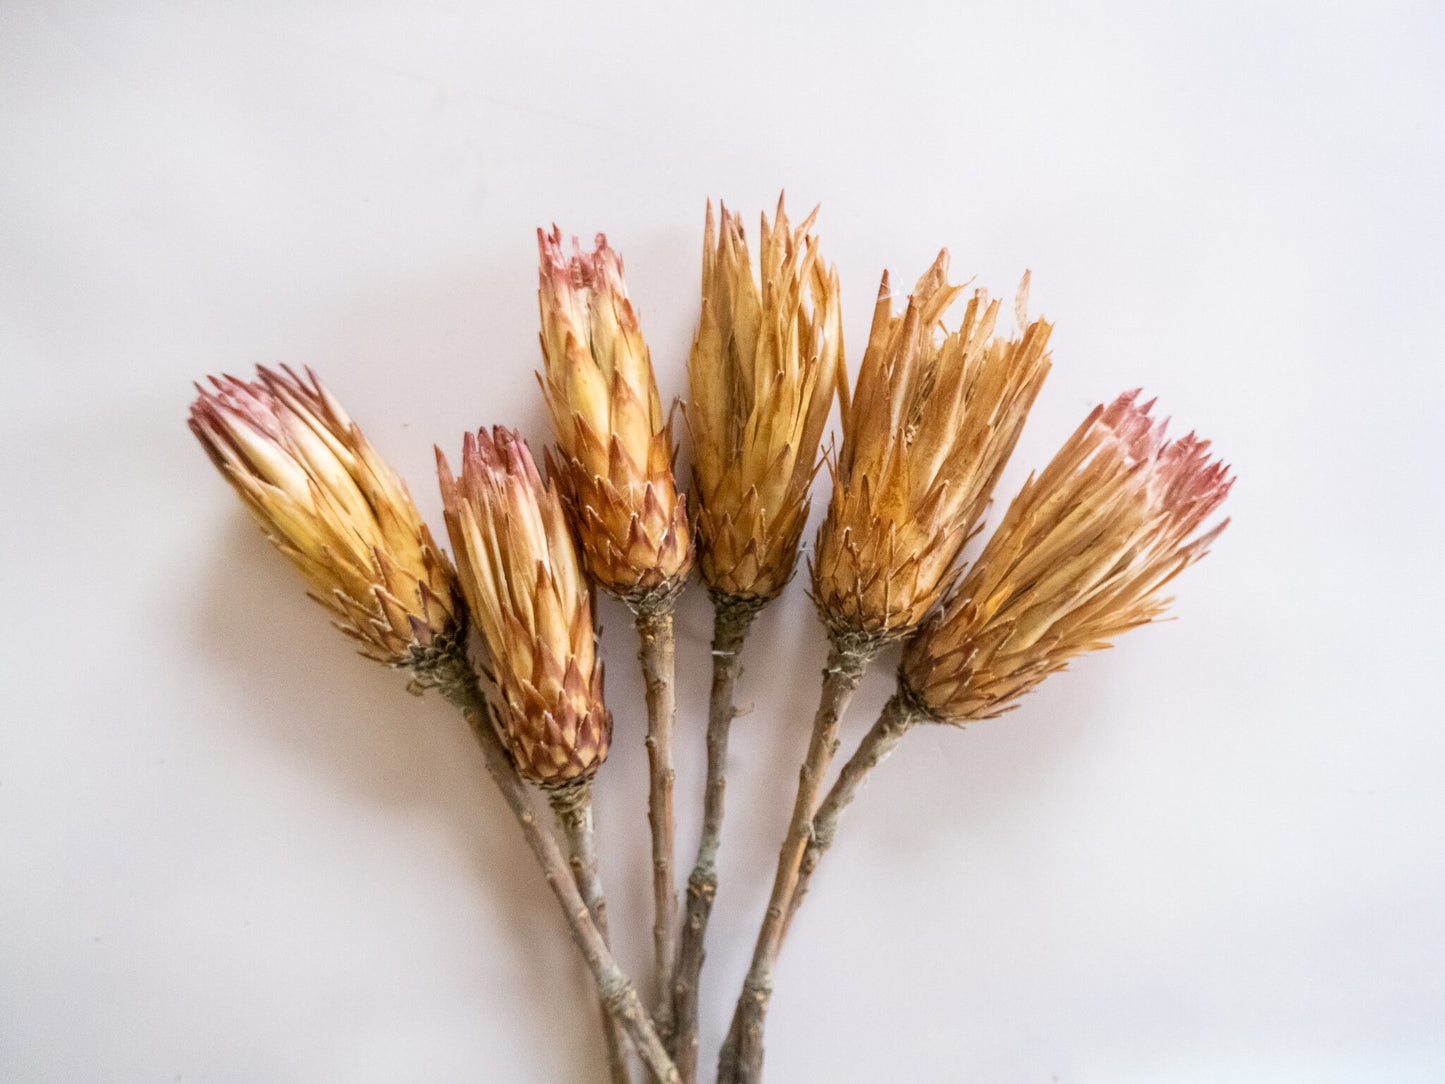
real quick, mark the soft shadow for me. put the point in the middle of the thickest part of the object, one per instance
(351, 722)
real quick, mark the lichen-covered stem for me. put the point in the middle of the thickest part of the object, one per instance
(743, 1054)
(573, 806)
(657, 655)
(896, 719)
(730, 628)
(453, 677)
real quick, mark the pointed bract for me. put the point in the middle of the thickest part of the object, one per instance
(519, 571)
(331, 504)
(762, 372)
(929, 427)
(1081, 556)
(614, 445)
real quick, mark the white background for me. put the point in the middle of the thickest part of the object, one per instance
(233, 851)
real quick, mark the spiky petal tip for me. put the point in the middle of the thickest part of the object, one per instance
(932, 422)
(329, 503)
(528, 598)
(761, 374)
(1081, 556)
(614, 445)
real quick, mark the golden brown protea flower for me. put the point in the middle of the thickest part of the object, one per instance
(525, 589)
(762, 371)
(614, 443)
(1080, 556)
(763, 368)
(931, 423)
(330, 504)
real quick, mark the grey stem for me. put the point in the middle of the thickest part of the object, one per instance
(896, 719)
(731, 621)
(741, 1060)
(657, 654)
(445, 668)
(573, 806)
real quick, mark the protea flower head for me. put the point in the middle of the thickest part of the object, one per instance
(330, 504)
(930, 426)
(614, 445)
(528, 597)
(762, 372)
(1081, 556)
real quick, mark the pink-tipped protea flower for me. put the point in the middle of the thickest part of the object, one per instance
(932, 422)
(1081, 556)
(528, 598)
(614, 444)
(330, 504)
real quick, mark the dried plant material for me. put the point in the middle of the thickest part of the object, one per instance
(614, 464)
(328, 502)
(572, 878)
(614, 445)
(762, 371)
(522, 581)
(930, 426)
(1081, 556)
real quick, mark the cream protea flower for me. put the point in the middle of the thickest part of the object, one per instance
(614, 443)
(930, 426)
(1081, 556)
(330, 504)
(527, 596)
(762, 372)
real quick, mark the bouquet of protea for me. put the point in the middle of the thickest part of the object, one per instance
(507, 633)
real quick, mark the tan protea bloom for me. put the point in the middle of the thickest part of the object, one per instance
(614, 443)
(1081, 556)
(761, 374)
(330, 504)
(930, 426)
(528, 598)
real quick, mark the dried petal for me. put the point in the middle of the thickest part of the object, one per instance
(519, 571)
(614, 461)
(1080, 557)
(333, 507)
(929, 427)
(762, 372)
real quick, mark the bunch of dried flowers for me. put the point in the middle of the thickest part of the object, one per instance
(1081, 555)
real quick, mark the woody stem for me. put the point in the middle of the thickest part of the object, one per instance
(896, 719)
(657, 655)
(731, 620)
(451, 674)
(741, 1061)
(573, 806)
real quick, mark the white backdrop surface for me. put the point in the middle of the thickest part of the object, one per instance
(232, 851)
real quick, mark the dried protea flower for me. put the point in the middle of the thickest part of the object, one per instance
(329, 503)
(528, 598)
(763, 368)
(762, 372)
(614, 444)
(931, 424)
(1080, 556)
